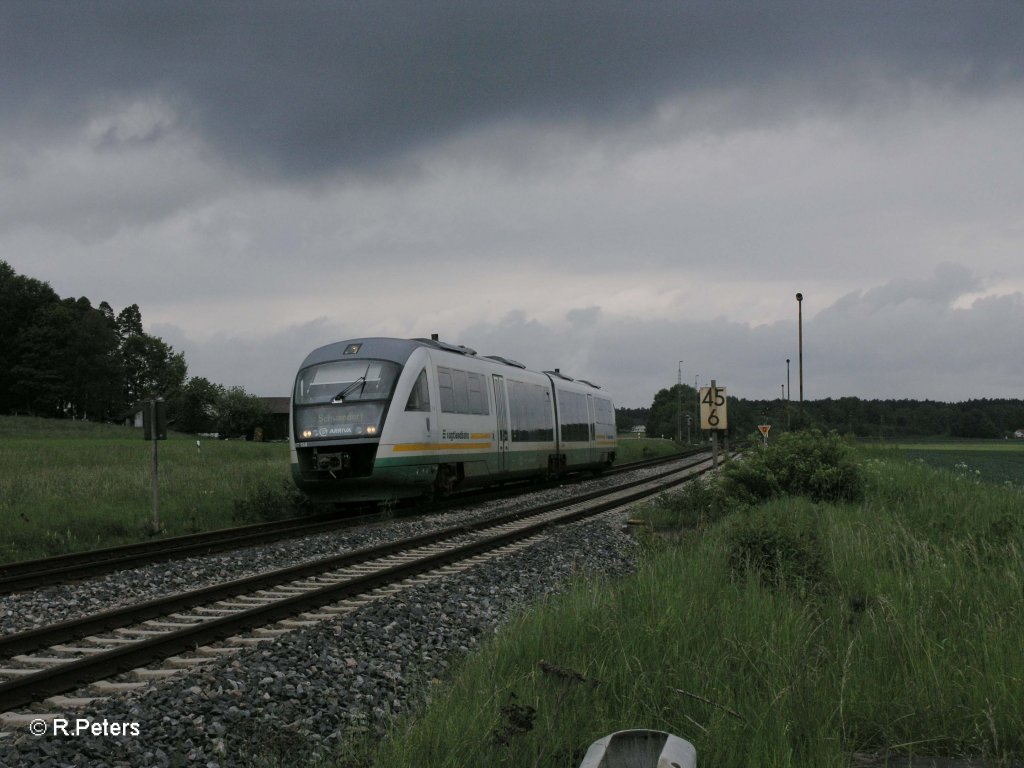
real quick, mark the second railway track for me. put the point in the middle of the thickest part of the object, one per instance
(40, 662)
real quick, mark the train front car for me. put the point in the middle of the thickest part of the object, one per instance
(378, 418)
(340, 404)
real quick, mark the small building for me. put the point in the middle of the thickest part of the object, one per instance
(277, 428)
(134, 419)
(638, 431)
(1019, 434)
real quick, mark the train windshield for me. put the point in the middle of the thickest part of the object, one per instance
(346, 382)
(343, 400)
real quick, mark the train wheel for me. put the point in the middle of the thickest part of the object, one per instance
(445, 480)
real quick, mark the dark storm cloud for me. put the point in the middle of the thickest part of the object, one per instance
(308, 87)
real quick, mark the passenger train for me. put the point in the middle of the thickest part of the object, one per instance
(384, 418)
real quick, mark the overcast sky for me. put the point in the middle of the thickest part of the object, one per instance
(606, 187)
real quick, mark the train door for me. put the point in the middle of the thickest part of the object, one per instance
(592, 429)
(501, 414)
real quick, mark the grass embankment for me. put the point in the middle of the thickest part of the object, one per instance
(793, 632)
(69, 486)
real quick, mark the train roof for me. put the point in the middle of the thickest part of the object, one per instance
(379, 348)
(399, 351)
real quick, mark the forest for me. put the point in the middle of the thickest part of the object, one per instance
(65, 358)
(877, 419)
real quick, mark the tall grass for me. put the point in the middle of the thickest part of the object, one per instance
(67, 486)
(888, 626)
(635, 449)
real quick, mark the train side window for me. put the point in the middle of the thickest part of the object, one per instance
(477, 396)
(444, 385)
(461, 391)
(419, 398)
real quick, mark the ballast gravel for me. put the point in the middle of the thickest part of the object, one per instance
(300, 698)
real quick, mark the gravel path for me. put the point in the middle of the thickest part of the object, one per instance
(304, 693)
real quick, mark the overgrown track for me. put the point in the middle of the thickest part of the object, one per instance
(270, 597)
(31, 574)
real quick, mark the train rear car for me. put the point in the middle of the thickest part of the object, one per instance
(586, 420)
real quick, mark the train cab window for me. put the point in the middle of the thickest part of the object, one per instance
(419, 398)
(344, 382)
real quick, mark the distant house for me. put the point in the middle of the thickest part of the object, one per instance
(639, 431)
(279, 408)
(134, 419)
(1019, 433)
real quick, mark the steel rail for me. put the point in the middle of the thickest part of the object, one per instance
(28, 574)
(65, 677)
(32, 639)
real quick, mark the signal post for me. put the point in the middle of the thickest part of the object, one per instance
(154, 427)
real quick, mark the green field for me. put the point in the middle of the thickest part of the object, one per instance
(989, 461)
(68, 486)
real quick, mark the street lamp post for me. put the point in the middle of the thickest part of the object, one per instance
(800, 344)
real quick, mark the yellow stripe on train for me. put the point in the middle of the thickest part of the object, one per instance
(405, 447)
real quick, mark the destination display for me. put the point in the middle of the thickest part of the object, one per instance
(338, 421)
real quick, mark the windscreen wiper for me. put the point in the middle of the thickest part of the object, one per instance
(340, 397)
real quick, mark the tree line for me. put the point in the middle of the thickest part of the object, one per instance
(878, 419)
(65, 358)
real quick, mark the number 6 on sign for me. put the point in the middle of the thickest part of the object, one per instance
(713, 411)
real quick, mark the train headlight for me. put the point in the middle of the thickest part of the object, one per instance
(371, 430)
(307, 433)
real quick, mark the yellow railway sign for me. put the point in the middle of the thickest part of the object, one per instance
(713, 411)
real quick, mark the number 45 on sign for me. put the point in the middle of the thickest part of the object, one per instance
(713, 414)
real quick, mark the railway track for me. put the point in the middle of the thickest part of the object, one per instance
(32, 574)
(54, 660)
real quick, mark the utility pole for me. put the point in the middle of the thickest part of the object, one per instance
(679, 405)
(696, 405)
(789, 391)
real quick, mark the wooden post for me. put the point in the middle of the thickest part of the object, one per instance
(154, 482)
(714, 432)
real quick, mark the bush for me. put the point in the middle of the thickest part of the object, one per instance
(701, 503)
(799, 464)
(695, 505)
(269, 503)
(780, 546)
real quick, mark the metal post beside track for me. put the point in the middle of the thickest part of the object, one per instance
(154, 428)
(155, 481)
